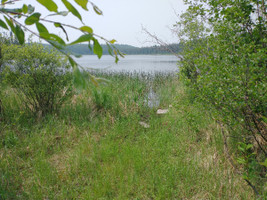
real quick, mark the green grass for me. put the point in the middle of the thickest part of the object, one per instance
(95, 147)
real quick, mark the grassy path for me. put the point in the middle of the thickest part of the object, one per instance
(96, 149)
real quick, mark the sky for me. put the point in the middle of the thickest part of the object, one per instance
(122, 20)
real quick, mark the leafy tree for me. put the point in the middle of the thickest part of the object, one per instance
(224, 63)
(33, 17)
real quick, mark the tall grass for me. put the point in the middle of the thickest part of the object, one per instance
(95, 147)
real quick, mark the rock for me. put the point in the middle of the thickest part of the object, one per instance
(162, 111)
(145, 125)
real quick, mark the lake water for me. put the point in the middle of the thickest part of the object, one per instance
(134, 63)
(131, 63)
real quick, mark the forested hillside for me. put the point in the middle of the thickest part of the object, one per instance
(127, 49)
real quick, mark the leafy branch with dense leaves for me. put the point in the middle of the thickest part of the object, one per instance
(32, 17)
(224, 65)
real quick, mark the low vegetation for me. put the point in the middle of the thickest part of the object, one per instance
(96, 148)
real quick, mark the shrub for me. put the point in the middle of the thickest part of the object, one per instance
(224, 65)
(40, 77)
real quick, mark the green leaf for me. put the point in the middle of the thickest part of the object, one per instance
(115, 52)
(93, 80)
(245, 177)
(82, 3)
(264, 163)
(79, 81)
(72, 62)
(58, 25)
(89, 46)
(49, 4)
(97, 49)
(102, 80)
(11, 11)
(41, 28)
(83, 38)
(53, 37)
(109, 49)
(112, 41)
(25, 9)
(30, 9)
(10, 24)
(121, 54)
(20, 34)
(264, 119)
(97, 10)
(72, 9)
(116, 59)
(32, 19)
(249, 146)
(241, 161)
(62, 13)
(4, 1)
(86, 29)
(3, 24)
(242, 146)
(58, 46)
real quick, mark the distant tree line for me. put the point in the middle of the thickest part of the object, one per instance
(82, 49)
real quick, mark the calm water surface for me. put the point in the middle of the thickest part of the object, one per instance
(131, 63)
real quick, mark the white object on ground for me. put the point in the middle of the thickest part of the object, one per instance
(162, 111)
(145, 125)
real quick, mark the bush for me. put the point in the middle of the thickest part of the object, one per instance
(224, 65)
(40, 77)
